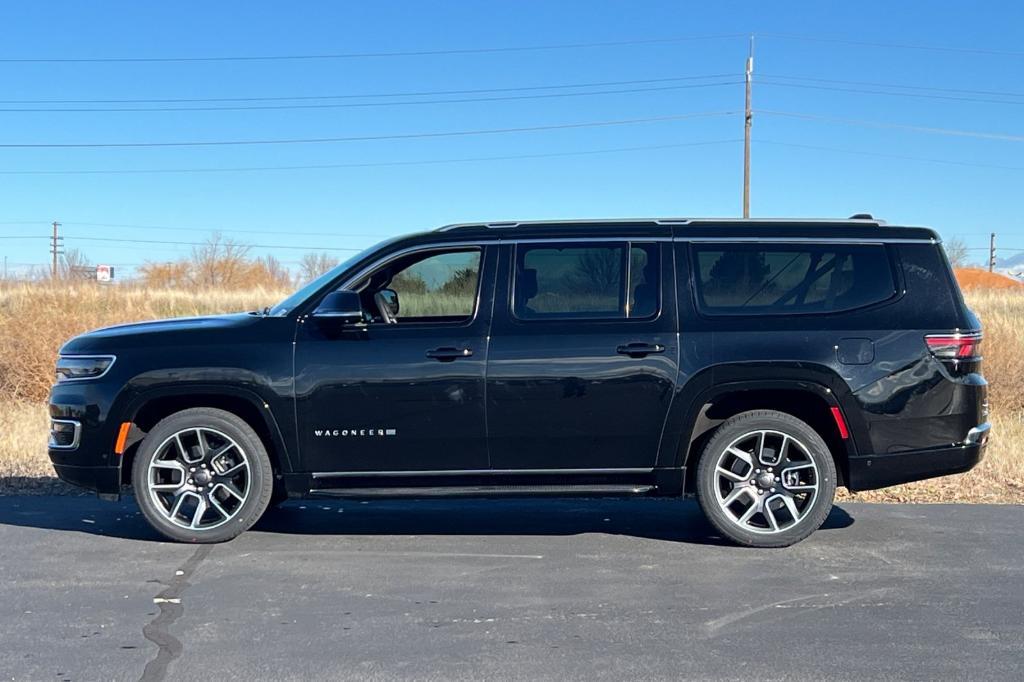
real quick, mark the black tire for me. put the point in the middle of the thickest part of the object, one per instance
(249, 447)
(816, 508)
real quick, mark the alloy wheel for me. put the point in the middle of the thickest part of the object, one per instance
(199, 478)
(766, 481)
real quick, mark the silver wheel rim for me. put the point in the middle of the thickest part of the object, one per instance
(766, 481)
(199, 478)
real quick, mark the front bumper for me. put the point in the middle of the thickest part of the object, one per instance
(87, 458)
(870, 472)
(105, 481)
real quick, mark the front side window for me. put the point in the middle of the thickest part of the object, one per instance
(600, 280)
(424, 287)
(758, 279)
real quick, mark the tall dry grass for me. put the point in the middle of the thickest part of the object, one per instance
(36, 319)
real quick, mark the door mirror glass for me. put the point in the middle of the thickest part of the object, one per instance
(388, 299)
(340, 306)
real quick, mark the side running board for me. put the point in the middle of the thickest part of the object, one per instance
(608, 490)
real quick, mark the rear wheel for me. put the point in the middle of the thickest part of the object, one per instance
(202, 475)
(766, 479)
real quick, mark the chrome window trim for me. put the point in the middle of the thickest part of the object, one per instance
(75, 441)
(113, 359)
(475, 472)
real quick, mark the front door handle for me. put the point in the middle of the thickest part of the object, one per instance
(639, 350)
(448, 354)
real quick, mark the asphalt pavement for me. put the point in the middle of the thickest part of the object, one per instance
(509, 589)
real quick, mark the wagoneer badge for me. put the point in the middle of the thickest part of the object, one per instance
(348, 433)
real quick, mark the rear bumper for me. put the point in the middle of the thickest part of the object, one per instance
(869, 472)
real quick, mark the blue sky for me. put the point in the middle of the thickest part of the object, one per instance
(351, 207)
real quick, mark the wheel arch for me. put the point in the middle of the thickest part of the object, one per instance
(809, 399)
(148, 408)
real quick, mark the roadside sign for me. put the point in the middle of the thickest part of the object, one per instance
(104, 273)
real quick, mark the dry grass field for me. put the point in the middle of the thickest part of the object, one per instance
(35, 319)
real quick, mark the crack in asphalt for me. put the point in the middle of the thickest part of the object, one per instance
(157, 630)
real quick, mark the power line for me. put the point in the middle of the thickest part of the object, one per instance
(361, 104)
(363, 138)
(905, 86)
(896, 126)
(899, 46)
(884, 155)
(357, 105)
(365, 55)
(372, 95)
(222, 229)
(863, 91)
(372, 164)
(177, 243)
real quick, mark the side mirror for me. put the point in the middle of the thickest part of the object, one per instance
(340, 306)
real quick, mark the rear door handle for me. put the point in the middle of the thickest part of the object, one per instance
(448, 354)
(639, 350)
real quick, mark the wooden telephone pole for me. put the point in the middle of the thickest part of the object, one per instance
(55, 242)
(748, 118)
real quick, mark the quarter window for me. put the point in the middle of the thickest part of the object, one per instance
(755, 279)
(603, 281)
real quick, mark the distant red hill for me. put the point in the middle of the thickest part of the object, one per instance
(976, 278)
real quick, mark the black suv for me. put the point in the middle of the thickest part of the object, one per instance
(755, 363)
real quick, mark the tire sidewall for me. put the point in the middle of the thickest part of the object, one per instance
(260, 472)
(773, 421)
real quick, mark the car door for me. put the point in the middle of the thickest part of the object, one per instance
(583, 354)
(406, 395)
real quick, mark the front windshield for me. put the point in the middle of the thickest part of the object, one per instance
(285, 306)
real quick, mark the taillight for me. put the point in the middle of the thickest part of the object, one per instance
(965, 346)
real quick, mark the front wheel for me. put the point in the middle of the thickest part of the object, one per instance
(202, 475)
(766, 479)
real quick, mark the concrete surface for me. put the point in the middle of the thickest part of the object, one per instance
(509, 589)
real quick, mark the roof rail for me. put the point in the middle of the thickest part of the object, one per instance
(855, 218)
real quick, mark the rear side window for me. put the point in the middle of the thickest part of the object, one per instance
(785, 279)
(595, 281)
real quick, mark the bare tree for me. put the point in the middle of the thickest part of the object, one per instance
(74, 265)
(313, 265)
(220, 262)
(268, 272)
(957, 252)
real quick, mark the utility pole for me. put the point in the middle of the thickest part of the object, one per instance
(748, 118)
(992, 252)
(55, 242)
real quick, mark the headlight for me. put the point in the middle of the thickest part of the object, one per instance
(73, 367)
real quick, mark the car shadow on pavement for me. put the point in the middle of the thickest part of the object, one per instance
(669, 519)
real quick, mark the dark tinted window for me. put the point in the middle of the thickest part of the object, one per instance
(586, 281)
(748, 279)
